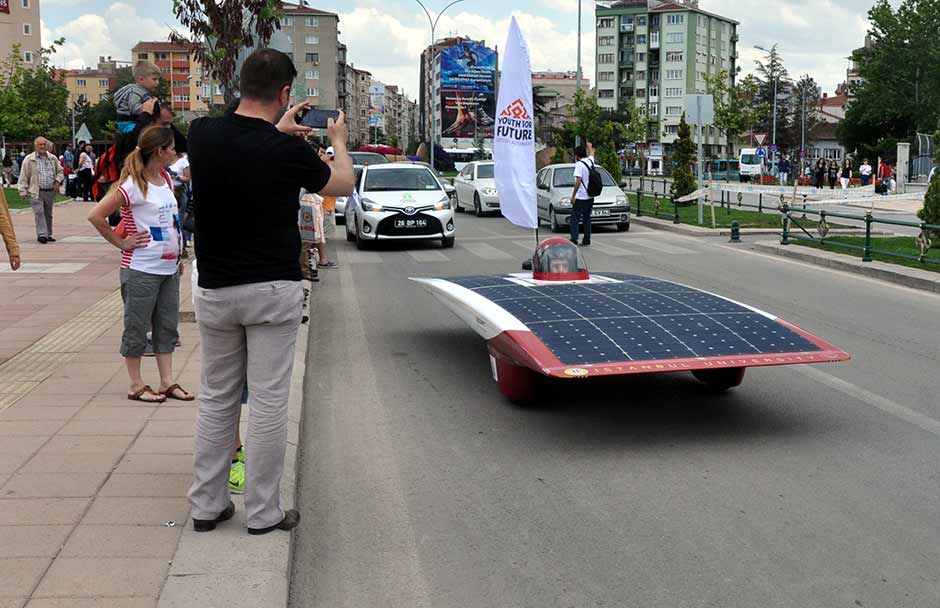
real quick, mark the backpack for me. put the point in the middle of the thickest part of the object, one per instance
(594, 185)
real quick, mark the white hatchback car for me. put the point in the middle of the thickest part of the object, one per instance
(399, 201)
(554, 184)
(476, 188)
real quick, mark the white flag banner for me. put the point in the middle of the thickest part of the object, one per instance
(514, 137)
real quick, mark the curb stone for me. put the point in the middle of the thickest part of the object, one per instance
(914, 278)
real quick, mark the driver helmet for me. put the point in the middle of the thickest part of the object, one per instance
(558, 259)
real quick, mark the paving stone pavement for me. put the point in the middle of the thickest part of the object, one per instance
(92, 486)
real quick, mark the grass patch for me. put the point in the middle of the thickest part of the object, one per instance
(723, 216)
(903, 245)
(15, 202)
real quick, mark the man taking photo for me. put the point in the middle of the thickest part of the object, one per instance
(249, 299)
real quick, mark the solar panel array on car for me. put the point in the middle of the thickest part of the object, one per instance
(636, 319)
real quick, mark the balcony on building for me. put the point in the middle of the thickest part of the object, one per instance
(626, 57)
(626, 28)
(654, 40)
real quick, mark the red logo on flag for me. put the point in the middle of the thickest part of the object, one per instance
(516, 110)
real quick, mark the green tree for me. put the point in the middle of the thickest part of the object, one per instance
(683, 155)
(217, 32)
(637, 130)
(736, 107)
(771, 71)
(900, 84)
(591, 123)
(931, 211)
(33, 100)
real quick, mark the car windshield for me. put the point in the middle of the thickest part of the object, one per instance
(395, 180)
(485, 172)
(564, 177)
(750, 159)
(367, 158)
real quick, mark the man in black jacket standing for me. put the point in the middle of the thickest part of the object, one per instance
(249, 299)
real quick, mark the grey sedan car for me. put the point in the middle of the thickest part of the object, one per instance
(554, 184)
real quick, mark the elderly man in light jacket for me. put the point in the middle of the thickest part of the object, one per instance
(40, 177)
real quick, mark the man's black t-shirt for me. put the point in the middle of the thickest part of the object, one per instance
(247, 177)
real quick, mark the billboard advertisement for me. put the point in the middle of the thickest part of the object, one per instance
(467, 115)
(469, 67)
(377, 106)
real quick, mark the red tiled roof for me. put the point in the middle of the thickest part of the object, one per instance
(159, 45)
(835, 100)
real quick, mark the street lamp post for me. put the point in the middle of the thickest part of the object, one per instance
(433, 24)
(579, 46)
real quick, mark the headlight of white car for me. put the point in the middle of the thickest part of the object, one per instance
(442, 204)
(564, 202)
(621, 200)
(489, 191)
(368, 205)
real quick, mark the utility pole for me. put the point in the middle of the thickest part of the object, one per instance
(579, 46)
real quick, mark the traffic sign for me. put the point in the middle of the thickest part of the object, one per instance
(773, 148)
(760, 137)
(761, 153)
(802, 153)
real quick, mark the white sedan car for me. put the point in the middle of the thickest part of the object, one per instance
(555, 183)
(476, 188)
(399, 201)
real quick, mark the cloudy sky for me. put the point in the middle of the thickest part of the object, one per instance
(386, 36)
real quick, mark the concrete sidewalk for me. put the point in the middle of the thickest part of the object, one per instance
(92, 486)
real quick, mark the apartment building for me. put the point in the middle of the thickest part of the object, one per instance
(182, 72)
(655, 53)
(357, 105)
(90, 85)
(312, 37)
(19, 24)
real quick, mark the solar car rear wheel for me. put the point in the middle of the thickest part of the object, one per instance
(720, 379)
(518, 384)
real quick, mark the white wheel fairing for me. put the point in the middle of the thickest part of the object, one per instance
(485, 316)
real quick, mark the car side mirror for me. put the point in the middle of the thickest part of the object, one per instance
(527, 264)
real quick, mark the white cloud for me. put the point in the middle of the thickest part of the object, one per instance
(391, 50)
(114, 33)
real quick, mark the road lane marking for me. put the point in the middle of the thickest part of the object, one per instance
(611, 249)
(487, 251)
(359, 257)
(429, 255)
(877, 401)
(656, 245)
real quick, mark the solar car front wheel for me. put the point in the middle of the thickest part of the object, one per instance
(518, 384)
(720, 379)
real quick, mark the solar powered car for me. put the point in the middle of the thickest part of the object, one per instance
(559, 320)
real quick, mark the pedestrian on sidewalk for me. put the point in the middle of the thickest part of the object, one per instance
(249, 300)
(845, 175)
(8, 233)
(819, 174)
(832, 173)
(86, 165)
(783, 169)
(150, 265)
(329, 218)
(864, 172)
(6, 167)
(40, 177)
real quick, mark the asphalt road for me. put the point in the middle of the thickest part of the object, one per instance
(806, 486)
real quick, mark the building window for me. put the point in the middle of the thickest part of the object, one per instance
(673, 110)
(641, 20)
(312, 74)
(27, 29)
(653, 109)
(605, 93)
(143, 56)
(605, 22)
(671, 129)
(25, 3)
(700, 75)
(605, 58)
(641, 57)
(654, 91)
(311, 22)
(313, 92)
(311, 40)
(641, 75)
(28, 56)
(675, 56)
(702, 21)
(80, 82)
(676, 37)
(605, 41)
(675, 19)
(641, 93)
(287, 21)
(673, 92)
(641, 38)
(103, 83)
(673, 74)
(313, 58)
(605, 76)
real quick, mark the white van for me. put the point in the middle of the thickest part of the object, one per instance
(749, 164)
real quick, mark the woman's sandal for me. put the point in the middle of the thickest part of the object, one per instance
(138, 396)
(168, 393)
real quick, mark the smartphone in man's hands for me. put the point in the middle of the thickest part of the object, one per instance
(316, 118)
